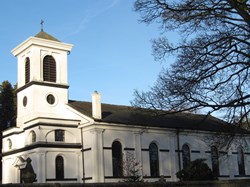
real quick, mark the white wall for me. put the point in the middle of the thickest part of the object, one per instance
(97, 143)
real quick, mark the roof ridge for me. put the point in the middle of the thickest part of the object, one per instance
(70, 101)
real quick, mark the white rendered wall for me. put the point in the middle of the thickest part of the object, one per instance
(166, 141)
(97, 143)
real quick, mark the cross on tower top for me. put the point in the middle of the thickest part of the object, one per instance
(42, 24)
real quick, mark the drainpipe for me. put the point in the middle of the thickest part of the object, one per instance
(83, 170)
(178, 147)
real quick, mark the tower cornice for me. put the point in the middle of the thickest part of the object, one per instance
(42, 84)
(42, 43)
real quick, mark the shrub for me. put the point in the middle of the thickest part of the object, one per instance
(196, 170)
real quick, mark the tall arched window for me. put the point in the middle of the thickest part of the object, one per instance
(27, 70)
(33, 136)
(185, 155)
(154, 160)
(117, 159)
(215, 161)
(59, 167)
(9, 143)
(241, 162)
(49, 69)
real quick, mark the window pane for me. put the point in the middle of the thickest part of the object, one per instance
(33, 137)
(59, 135)
(185, 155)
(215, 161)
(27, 70)
(117, 159)
(49, 69)
(9, 144)
(59, 167)
(241, 162)
(154, 160)
(51, 99)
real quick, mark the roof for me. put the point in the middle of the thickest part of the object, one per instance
(147, 118)
(46, 36)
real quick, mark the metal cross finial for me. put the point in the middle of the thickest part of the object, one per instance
(42, 24)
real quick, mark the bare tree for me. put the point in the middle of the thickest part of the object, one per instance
(212, 66)
(132, 169)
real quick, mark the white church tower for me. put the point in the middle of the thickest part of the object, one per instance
(46, 131)
(42, 78)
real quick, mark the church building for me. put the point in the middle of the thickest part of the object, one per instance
(61, 140)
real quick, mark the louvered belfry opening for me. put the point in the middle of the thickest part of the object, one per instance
(49, 69)
(27, 70)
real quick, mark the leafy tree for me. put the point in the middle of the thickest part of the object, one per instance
(212, 67)
(7, 110)
(195, 170)
(7, 105)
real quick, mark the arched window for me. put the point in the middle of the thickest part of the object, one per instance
(185, 155)
(241, 162)
(117, 159)
(49, 69)
(59, 167)
(215, 161)
(27, 70)
(154, 160)
(33, 136)
(9, 144)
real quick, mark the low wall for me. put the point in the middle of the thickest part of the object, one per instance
(228, 183)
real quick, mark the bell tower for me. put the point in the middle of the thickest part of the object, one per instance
(42, 82)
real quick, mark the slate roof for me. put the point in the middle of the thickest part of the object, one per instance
(138, 117)
(46, 36)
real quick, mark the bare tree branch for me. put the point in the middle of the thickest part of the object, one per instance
(211, 71)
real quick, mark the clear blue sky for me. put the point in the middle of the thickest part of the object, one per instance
(111, 53)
